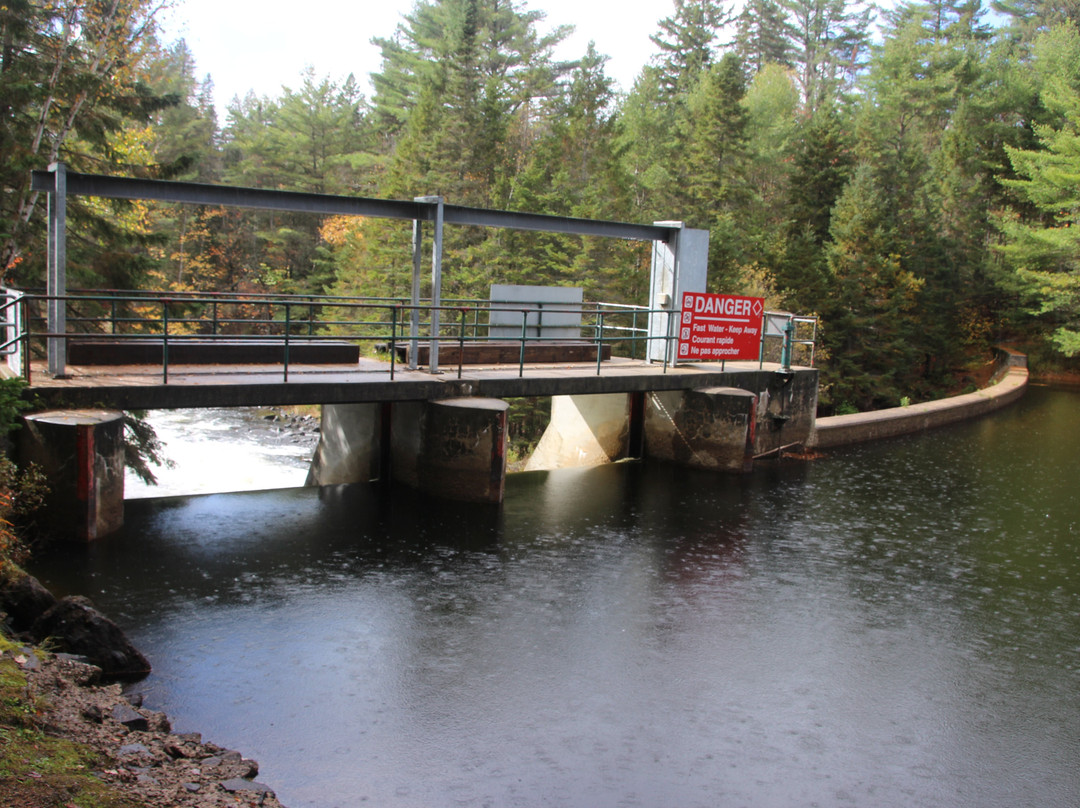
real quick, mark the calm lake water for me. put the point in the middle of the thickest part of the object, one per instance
(895, 624)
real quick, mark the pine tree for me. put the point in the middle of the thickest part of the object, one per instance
(1044, 250)
(830, 41)
(870, 319)
(763, 36)
(688, 43)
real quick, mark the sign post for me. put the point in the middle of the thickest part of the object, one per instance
(720, 328)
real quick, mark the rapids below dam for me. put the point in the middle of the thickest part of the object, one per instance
(893, 624)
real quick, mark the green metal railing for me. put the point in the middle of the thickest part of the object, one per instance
(381, 324)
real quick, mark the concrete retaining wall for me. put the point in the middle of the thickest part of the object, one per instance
(1010, 382)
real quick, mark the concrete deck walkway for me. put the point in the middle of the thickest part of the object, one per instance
(143, 387)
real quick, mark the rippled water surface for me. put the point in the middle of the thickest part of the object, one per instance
(892, 625)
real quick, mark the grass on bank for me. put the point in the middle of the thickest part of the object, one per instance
(38, 770)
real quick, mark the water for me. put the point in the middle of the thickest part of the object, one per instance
(894, 625)
(237, 449)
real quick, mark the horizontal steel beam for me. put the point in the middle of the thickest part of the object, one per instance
(297, 202)
(195, 193)
(483, 217)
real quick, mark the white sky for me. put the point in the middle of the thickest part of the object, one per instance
(262, 45)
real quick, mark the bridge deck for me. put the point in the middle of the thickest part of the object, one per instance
(143, 387)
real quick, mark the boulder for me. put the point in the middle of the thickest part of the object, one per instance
(78, 628)
(23, 598)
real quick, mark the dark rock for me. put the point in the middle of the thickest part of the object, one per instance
(78, 628)
(124, 714)
(159, 722)
(176, 748)
(230, 764)
(134, 699)
(78, 669)
(93, 714)
(240, 784)
(192, 787)
(24, 599)
(140, 749)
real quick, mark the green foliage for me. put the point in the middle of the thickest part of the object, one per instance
(12, 403)
(688, 43)
(142, 448)
(22, 496)
(919, 194)
(70, 83)
(763, 36)
(1043, 248)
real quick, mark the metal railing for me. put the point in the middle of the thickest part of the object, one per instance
(381, 325)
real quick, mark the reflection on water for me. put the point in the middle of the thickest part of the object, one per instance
(894, 625)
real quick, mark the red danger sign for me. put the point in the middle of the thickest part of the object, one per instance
(720, 327)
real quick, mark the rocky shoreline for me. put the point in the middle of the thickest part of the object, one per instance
(142, 756)
(77, 694)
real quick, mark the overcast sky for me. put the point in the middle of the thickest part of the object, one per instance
(262, 45)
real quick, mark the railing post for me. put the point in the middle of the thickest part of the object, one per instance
(461, 343)
(288, 323)
(25, 326)
(393, 337)
(524, 337)
(165, 341)
(599, 340)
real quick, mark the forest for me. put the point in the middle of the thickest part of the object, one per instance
(910, 175)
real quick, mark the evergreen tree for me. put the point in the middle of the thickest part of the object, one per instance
(185, 134)
(688, 43)
(871, 320)
(1044, 249)
(717, 158)
(69, 73)
(763, 36)
(830, 42)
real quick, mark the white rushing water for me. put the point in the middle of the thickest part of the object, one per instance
(226, 450)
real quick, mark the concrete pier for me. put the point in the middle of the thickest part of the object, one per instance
(453, 448)
(82, 452)
(712, 428)
(584, 431)
(786, 409)
(350, 445)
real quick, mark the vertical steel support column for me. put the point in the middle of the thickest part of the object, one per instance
(57, 270)
(436, 284)
(414, 314)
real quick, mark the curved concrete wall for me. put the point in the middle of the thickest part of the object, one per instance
(1010, 382)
